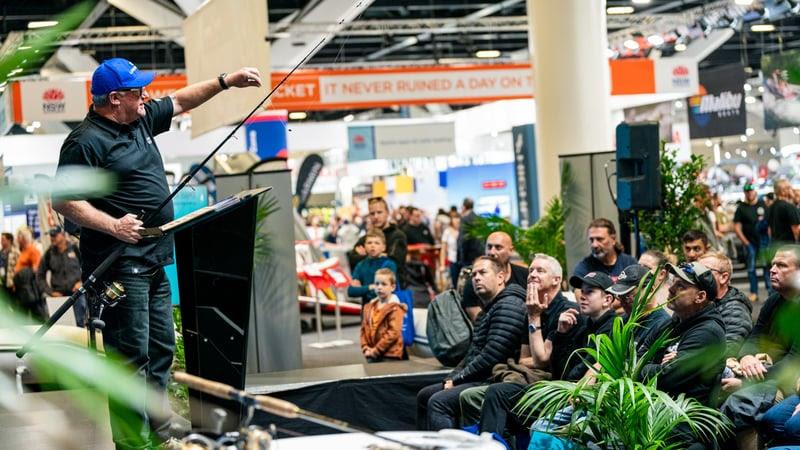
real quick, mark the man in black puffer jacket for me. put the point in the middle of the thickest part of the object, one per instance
(499, 332)
(732, 304)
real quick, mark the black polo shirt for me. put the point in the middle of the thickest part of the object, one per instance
(129, 152)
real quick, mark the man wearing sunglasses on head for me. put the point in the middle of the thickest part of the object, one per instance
(118, 135)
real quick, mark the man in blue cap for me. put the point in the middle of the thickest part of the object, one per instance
(118, 135)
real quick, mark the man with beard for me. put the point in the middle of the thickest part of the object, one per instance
(498, 247)
(606, 253)
(499, 332)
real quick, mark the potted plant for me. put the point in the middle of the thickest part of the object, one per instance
(612, 408)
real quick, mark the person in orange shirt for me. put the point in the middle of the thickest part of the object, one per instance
(29, 255)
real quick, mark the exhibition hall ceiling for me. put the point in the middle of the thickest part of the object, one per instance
(392, 32)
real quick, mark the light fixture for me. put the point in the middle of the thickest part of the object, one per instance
(680, 47)
(630, 44)
(619, 10)
(640, 2)
(709, 143)
(749, 131)
(761, 89)
(24, 47)
(655, 40)
(41, 24)
(773, 150)
(744, 153)
(762, 28)
(727, 155)
(36, 124)
(749, 100)
(678, 104)
(487, 54)
(349, 118)
(747, 87)
(743, 138)
(744, 2)
(298, 115)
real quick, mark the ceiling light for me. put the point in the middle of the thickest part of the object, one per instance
(749, 100)
(744, 153)
(616, 10)
(727, 155)
(796, 130)
(678, 104)
(761, 89)
(487, 53)
(630, 44)
(744, 2)
(743, 138)
(747, 87)
(773, 150)
(640, 2)
(709, 144)
(349, 118)
(680, 47)
(762, 28)
(655, 40)
(297, 115)
(24, 47)
(749, 131)
(41, 24)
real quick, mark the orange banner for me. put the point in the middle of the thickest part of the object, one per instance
(310, 90)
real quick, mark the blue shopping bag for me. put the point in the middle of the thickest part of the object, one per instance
(405, 297)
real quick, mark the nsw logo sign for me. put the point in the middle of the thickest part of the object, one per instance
(53, 101)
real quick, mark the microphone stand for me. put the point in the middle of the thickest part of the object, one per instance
(98, 272)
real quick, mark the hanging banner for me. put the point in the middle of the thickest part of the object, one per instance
(362, 143)
(719, 110)
(60, 101)
(418, 140)
(781, 75)
(676, 75)
(525, 170)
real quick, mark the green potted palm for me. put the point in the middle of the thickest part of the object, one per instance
(613, 409)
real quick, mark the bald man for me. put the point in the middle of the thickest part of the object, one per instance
(498, 247)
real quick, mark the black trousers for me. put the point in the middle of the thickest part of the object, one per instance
(496, 415)
(438, 408)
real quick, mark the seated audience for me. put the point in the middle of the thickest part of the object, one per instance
(499, 332)
(781, 423)
(364, 273)
(774, 335)
(545, 303)
(382, 321)
(733, 304)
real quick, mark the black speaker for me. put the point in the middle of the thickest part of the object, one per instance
(638, 174)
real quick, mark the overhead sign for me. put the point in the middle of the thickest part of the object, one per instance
(676, 75)
(418, 140)
(60, 100)
(719, 110)
(362, 143)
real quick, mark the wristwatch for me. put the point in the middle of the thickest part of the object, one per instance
(532, 328)
(222, 83)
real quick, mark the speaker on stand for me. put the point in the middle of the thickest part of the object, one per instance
(638, 170)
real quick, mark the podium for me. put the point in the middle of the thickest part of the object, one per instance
(214, 249)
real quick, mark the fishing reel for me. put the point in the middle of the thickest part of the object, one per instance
(101, 296)
(248, 437)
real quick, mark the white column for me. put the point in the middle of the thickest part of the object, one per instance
(568, 43)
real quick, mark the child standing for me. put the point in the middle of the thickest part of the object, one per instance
(364, 272)
(382, 324)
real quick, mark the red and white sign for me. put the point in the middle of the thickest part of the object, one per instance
(677, 75)
(61, 101)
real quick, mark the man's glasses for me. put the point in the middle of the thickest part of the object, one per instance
(138, 92)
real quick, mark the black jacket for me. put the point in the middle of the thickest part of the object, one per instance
(775, 333)
(469, 248)
(737, 314)
(396, 248)
(569, 366)
(499, 333)
(700, 344)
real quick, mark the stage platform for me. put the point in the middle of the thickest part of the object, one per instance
(378, 396)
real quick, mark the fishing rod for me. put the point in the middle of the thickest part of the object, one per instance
(145, 217)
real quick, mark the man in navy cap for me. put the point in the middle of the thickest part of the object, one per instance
(118, 135)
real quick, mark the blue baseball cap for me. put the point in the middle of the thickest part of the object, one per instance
(118, 73)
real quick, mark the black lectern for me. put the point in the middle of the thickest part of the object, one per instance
(214, 255)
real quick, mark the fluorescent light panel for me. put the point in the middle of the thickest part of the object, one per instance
(41, 24)
(618, 10)
(487, 53)
(762, 28)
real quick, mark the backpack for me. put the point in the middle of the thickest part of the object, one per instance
(449, 328)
